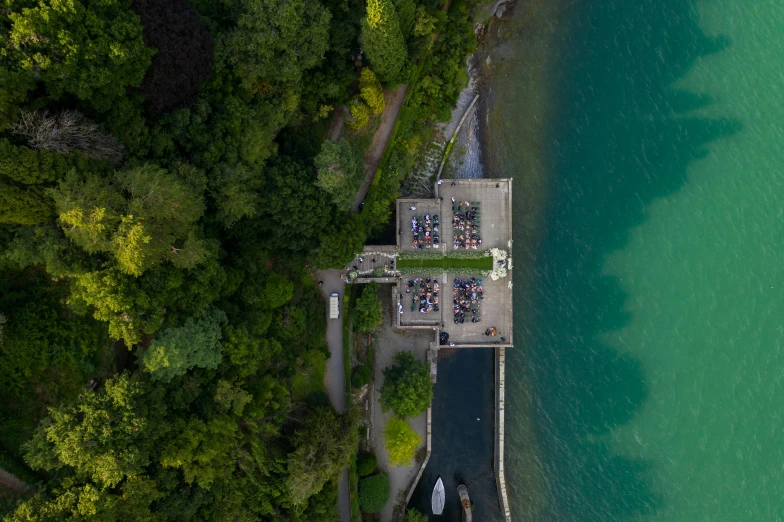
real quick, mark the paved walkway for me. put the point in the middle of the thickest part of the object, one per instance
(389, 343)
(394, 102)
(335, 375)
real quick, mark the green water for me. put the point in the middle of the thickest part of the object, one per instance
(646, 139)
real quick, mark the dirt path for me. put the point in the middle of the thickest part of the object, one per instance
(394, 102)
(11, 484)
(336, 126)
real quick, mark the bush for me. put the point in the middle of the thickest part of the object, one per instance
(367, 310)
(374, 493)
(401, 441)
(413, 515)
(360, 113)
(407, 389)
(371, 91)
(361, 376)
(366, 464)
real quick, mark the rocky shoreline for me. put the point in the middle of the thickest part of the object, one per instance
(469, 157)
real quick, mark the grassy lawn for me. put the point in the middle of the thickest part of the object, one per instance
(447, 263)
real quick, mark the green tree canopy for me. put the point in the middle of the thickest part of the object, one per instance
(92, 50)
(73, 501)
(407, 389)
(406, 14)
(339, 172)
(35, 166)
(340, 243)
(145, 217)
(361, 376)
(107, 436)
(276, 41)
(383, 40)
(176, 350)
(367, 310)
(370, 91)
(359, 112)
(401, 441)
(294, 211)
(323, 446)
(202, 450)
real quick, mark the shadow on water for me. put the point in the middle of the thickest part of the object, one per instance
(620, 136)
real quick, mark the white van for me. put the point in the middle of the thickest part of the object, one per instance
(334, 306)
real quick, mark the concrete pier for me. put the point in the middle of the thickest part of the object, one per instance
(500, 404)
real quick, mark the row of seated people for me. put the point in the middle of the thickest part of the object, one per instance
(425, 294)
(465, 225)
(425, 231)
(467, 293)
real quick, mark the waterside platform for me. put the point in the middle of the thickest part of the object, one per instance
(493, 199)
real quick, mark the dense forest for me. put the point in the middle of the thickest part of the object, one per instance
(166, 192)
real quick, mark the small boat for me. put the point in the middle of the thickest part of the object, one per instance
(439, 496)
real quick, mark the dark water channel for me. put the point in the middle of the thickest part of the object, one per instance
(462, 450)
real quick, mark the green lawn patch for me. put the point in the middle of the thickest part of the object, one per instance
(449, 264)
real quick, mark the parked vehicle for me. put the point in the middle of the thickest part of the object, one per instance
(334, 305)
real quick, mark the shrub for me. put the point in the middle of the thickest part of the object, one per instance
(366, 464)
(374, 493)
(360, 113)
(413, 515)
(401, 441)
(371, 91)
(407, 389)
(361, 376)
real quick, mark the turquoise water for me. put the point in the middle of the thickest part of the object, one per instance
(646, 141)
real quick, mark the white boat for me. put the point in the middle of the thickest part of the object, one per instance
(439, 496)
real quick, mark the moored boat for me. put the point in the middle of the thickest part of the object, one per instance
(439, 497)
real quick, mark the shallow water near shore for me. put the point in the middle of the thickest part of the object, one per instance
(645, 138)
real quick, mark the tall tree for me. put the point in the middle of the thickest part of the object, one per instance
(92, 50)
(407, 389)
(383, 41)
(338, 172)
(276, 41)
(324, 445)
(177, 350)
(107, 436)
(145, 217)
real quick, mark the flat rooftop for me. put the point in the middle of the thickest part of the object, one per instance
(495, 310)
(493, 197)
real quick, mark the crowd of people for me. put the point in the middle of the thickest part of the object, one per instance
(425, 231)
(465, 225)
(425, 294)
(467, 294)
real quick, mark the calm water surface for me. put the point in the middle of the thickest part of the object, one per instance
(647, 145)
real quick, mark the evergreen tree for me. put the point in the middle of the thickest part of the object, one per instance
(407, 389)
(177, 350)
(383, 40)
(338, 172)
